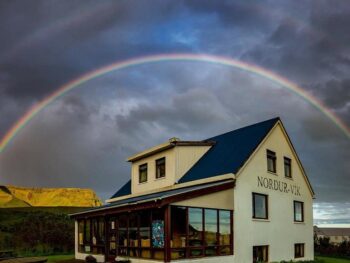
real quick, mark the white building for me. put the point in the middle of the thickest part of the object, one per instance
(242, 196)
(336, 235)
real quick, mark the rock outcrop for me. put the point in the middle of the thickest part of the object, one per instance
(14, 196)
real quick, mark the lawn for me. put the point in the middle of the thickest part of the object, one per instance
(333, 260)
(58, 258)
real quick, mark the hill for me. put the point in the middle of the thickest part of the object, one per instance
(14, 196)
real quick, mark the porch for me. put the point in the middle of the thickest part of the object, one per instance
(158, 230)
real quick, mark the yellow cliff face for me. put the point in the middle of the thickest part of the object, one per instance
(13, 196)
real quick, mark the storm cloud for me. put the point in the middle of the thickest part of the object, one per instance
(83, 139)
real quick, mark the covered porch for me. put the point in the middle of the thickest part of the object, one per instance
(155, 227)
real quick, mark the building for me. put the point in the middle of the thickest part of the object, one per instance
(242, 196)
(336, 235)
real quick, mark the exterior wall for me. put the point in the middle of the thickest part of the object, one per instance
(153, 183)
(219, 200)
(178, 161)
(82, 256)
(186, 157)
(338, 239)
(279, 232)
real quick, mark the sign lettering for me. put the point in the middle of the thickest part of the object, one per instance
(277, 185)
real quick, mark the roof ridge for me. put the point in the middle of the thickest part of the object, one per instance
(245, 127)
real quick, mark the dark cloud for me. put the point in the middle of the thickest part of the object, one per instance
(83, 139)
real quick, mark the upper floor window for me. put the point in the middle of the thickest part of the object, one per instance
(160, 168)
(287, 167)
(143, 173)
(260, 206)
(271, 161)
(298, 211)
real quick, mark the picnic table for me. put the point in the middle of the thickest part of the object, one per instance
(25, 260)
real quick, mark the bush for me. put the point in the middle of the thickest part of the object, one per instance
(43, 233)
(90, 259)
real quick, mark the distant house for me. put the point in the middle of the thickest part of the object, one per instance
(242, 196)
(336, 235)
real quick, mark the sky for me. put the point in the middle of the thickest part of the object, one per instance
(83, 138)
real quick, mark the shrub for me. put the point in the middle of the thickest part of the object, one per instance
(90, 259)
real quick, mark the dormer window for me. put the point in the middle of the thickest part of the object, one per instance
(160, 168)
(143, 173)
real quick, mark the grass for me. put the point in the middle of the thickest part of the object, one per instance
(332, 260)
(58, 258)
(70, 259)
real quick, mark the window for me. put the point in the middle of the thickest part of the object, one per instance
(143, 173)
(211, 230)
(287, 167)
(200, 232)
(195, 231)
(91, 236)
(260, 253)
(299, 250)
(260, 206)
(271, 161)
(160, 168)
(225, 232)
(298, 211)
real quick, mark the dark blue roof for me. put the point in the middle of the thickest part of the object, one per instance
(230, 152)
(124, 190)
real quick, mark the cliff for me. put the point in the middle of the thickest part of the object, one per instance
(13, 196)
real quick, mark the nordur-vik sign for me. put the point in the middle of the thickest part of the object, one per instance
(277, 185)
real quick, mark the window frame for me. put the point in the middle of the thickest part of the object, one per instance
(204, 246)
(267, 253)
(289, 165)
(163, 160)
(266, 206)
(302, 211)
(141, 166)
(92, 226)
(301, 250)
(271, 155)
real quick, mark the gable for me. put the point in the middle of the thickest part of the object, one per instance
(230, 151)
(255, 168)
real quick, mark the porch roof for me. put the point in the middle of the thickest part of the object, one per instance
(158, 199)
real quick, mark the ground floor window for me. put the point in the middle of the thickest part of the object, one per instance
(260, 206)
(299, 250)
(137, 234)
(91, 237)
(200, 232)
(171, 232)
(260, 254)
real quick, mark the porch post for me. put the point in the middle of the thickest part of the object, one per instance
(106, 233)
(167, 230)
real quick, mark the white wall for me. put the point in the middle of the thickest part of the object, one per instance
(218, 200)
(178, 161)
(186, 157)
(153, 183)
(280, 231)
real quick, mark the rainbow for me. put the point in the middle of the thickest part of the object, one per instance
(34, 110)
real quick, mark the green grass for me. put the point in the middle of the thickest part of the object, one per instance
(332, 260)
(58, 258)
